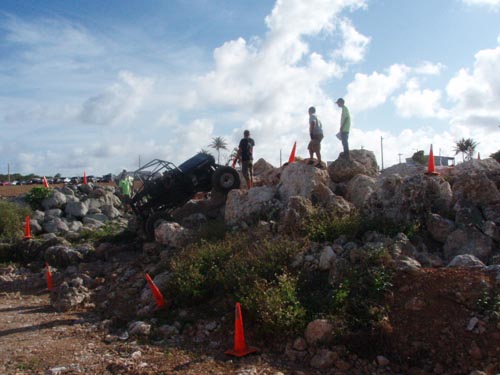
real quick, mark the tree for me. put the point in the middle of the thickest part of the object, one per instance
(420, 158)
(219, 143)
(466, 147)
(496, 156)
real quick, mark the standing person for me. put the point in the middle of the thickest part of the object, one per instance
(245, 155)
(316, 133)
(345, 126)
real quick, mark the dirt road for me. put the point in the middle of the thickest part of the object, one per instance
(36, 340)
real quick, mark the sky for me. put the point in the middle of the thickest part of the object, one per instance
(99, 86)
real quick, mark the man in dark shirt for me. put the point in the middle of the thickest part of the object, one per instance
(245, 155)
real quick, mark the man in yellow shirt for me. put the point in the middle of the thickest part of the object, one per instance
(345, 126)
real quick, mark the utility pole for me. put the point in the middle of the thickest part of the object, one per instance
(400, 157)
(280, 157)
(139, 161)
(382, 151)
(8, 172)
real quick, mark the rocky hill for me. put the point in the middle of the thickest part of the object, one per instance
(401, 272)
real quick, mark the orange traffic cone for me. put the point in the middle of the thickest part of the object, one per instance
(160, 301)
(431, 169)
(240, 346)
(84, 178)
(45, 183)
(48, 275)
(27, 228)
(291, 159)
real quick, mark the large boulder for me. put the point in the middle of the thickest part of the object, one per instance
(57, 200)
(250, 205)
(319, 331)
(360, 162)
(172, 234)
(294, 214)
(300, 179)
(470, 241)
(476, 188)
(54, 224)
(439, 227)
(359, 189)
(407, 199)
(490, 167)
(76, 209)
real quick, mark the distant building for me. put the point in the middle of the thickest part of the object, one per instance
(439, 161)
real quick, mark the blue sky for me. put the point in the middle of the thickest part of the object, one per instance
(97, 85)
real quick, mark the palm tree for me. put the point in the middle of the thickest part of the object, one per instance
(219, 143)
(466, 147)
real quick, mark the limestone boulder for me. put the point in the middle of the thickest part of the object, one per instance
(470, 241)
(359, 189)
(172, 234)
(439, 227)
(465, 260)
(293, 215)
(250, 205)
(76, 209)
(54, 225)
(405, 200)
(57, 200)
(360, 162)
(300, 179)
(319, 331)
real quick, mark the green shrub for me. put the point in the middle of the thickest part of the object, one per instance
(323, 226)
(360, 289)
(36, 195)
(277, 305)
(12, 221)
(109, 232)
(212, 230)
(229, 267)
(489, 302)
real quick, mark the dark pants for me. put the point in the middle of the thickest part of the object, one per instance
(345, 143)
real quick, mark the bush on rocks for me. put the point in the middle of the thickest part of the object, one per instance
(12, 218)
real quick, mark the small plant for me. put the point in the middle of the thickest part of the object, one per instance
(322, 226)
(229, 267)
(12, 217)
(109, 232)
(36, 195)
(276, 305)
(359, 293)
(489, 302)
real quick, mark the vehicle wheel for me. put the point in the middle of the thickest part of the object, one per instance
(153, 221)
(225, 179)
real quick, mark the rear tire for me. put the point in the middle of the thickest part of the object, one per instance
(153, 221)
(225, 179)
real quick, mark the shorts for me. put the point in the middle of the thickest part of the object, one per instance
(247, 169)
(315, 144)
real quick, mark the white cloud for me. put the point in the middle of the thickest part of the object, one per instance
(355, 44)
(419, 103)
(370, 91)
(476, 93)
(120, 102)
(429, 68)
(491, 3)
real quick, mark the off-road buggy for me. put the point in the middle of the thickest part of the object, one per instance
(165, 187)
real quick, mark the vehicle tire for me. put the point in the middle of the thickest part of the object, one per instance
(153, 221)
(225, 179)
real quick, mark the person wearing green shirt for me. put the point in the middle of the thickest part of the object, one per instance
(126, 186)
(345, 126)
